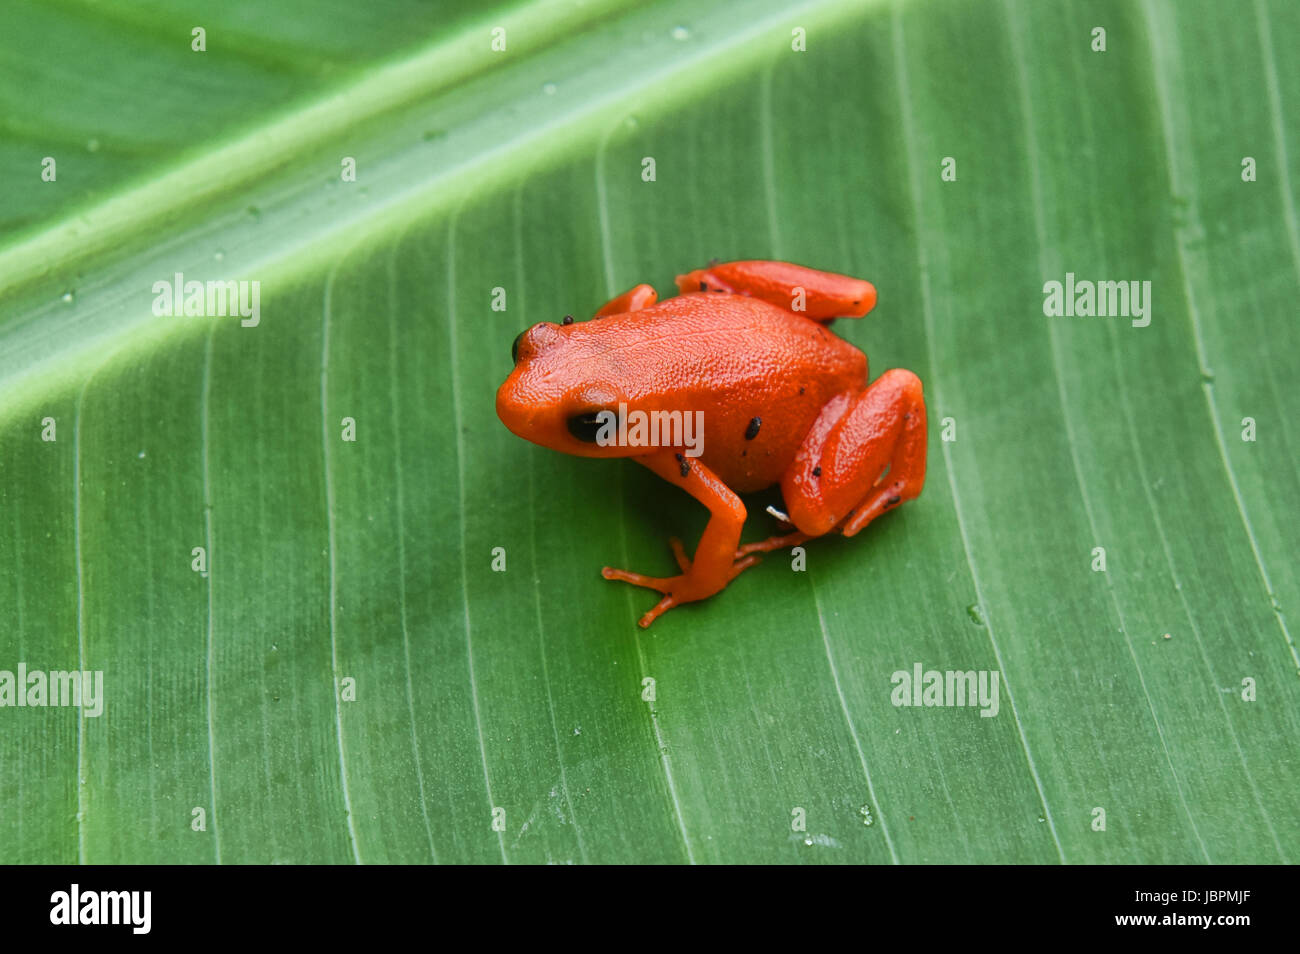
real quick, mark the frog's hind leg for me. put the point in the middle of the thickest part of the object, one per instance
(865, 455)
(814, 294)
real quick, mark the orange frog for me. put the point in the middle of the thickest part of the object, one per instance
(780, 397)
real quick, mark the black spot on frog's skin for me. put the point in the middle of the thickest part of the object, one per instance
(744, 452)
(817, 471)
(585, 427)
(801, 390)
(893, 501)
(684, 464)
(703, 287)
(752, 431)
(568, 319)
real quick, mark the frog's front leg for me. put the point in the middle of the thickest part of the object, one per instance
(715, 564)
(808, 291)
(864, 455)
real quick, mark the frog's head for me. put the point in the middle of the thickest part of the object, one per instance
(564, 392)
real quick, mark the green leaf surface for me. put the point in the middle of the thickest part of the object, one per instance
(335, 564)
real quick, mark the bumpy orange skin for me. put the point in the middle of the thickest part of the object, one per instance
(784, 400)
(731, 357)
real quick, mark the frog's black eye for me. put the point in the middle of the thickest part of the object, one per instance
(586, 427)
(514, 348)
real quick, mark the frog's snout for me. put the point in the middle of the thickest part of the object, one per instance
(533, 341)
(519, 402)
(514, 412)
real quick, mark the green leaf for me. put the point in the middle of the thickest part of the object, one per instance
(350, 680)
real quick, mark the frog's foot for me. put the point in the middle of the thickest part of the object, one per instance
(714, 564)
(686, 588)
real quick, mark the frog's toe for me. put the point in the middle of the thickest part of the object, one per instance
(663, 585)
(779, 542)
(679, 553)
(663, 606)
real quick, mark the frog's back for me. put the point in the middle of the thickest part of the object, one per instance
(737, 360)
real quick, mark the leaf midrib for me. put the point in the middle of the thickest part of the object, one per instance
(31, 368)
